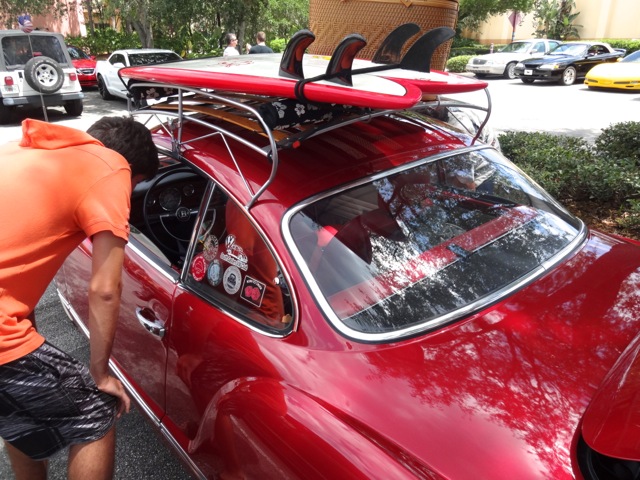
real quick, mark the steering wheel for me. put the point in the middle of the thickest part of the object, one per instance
(164, 219)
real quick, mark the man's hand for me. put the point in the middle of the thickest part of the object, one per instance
(113, 386)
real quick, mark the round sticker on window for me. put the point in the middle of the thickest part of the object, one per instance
(198, 268)
(214, 273)
(210, 248)
(232, 280)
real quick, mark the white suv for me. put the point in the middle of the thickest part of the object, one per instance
(36, 69)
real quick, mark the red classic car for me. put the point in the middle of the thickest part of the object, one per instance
(85, 66)
(372, 294)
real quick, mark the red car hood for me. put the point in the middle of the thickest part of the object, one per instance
(84, 63)
(612, 422)
(502, 393)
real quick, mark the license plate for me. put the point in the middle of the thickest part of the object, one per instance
(528, 72)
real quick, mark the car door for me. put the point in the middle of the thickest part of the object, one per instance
(230, 305)
(116, 61)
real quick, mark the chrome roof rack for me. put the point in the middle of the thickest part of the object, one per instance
(218, 112)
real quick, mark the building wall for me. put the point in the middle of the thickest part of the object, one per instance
(72, 24)
(599, 19)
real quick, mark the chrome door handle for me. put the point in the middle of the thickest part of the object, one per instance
(148, 320)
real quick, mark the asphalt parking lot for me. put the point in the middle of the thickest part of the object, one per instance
(573, 110)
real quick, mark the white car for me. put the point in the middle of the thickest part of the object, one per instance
(504, 61)
(109, 83)
(36, 69)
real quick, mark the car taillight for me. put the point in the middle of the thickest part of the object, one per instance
(8, 81)
(73, 77)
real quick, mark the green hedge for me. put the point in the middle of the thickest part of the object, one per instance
(457, 64)
(573, 170)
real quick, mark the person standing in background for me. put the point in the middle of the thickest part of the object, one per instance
(232, 42)
(260, 46)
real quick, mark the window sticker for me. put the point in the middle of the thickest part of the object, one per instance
(234, 253)
(232, 280)
(214, 273)
(252, 291)
(210, 248)
(198, 267)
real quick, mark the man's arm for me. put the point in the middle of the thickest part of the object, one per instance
(105, 289)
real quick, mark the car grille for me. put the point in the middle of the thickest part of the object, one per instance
(86, 71)
(479, 61)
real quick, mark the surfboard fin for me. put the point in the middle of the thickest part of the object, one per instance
(418, 57)
(341, 62)
(291, 63)
(390, 48)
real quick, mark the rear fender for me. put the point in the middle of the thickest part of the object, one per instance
(265, 429)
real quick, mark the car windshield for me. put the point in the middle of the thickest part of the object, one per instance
(632, 57)
(77, 54)
(136, 59)
(516, 47)
(576, 49)
(19, 49)
(417, 247)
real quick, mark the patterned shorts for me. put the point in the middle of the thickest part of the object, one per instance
(48, 401)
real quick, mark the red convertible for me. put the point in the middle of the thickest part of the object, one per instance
(371, 294)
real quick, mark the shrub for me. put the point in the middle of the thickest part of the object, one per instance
(621, 140)
(629, 45)
(457, 64)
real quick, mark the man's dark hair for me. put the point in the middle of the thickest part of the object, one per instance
(261, 37)
(130, 139)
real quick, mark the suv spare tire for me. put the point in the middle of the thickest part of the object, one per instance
(43, 74)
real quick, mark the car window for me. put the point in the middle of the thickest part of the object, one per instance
(18, 50)
(77, 54)
(516, 47)
(149, 58)
(233, 266)
(414, 246)
(538, 47)
(117, 58)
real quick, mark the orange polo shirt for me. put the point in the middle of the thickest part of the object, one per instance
(58, 186)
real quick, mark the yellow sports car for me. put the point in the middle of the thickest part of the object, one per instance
(624, 74)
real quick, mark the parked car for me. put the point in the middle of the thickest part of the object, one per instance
(85, 65)
(503, 61)
(624, 75)
(371, 295)
(110, 85)
(36, 69)
(567, 62)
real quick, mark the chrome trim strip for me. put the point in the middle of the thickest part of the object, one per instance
(144, 408)
(428, 325)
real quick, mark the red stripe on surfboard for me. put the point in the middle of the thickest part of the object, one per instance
(283, 87)
(436, 86)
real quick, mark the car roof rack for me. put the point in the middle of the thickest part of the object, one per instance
(222, 112)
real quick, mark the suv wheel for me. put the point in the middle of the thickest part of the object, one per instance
(43, 74)
(102, 88)
(74, 107)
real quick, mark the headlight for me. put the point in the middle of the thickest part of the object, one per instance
(519, 65)
(549, 66)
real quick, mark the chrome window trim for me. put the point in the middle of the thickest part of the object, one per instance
(432, 324)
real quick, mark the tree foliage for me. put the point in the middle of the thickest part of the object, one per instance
(555, 19)
(11, 9)
(474, 13)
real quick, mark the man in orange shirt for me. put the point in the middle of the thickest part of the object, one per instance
(59, 186)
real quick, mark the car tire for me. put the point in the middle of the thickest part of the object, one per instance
(528, 81)
(509, 71)
(43, 74)
(102, 88)
(568, 77)
(74, 107)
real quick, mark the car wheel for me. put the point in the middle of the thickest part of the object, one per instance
(528, 81)
(568, 76)
(74, 107)
(102, 88)
(43, 74)
(509, 71)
